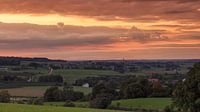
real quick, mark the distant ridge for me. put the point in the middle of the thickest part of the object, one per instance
(17, 60)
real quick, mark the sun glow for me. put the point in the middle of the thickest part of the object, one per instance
(53, 19)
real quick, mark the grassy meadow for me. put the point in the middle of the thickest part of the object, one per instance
(38, 91)
(33, 108)
(147, 103)
(71, 75)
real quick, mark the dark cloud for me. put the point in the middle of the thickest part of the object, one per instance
(28, 36)
(144, 36)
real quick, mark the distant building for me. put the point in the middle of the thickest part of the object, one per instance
(86, 85)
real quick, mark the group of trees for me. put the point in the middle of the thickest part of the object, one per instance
(136, 87)
(102, 95)
(186, 96)
(65, 94)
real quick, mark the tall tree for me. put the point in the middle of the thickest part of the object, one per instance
(187, 93)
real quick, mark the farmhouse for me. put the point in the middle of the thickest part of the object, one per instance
(86, 85)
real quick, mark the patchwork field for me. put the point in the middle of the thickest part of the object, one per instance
(148, 103)
(71, 75)
(38, 91)
(32, 108)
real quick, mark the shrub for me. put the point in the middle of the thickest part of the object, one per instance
(69, 104)
(4, 97)
(53, 94)
(73, 95)
(38, 101)
(20, 102)
(101, 102)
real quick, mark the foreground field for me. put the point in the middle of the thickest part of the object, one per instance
(31, 108)
(148, 103)
(38, 91)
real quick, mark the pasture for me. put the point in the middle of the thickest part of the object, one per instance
(38, 91)
(147, 103)
(77, 103)
(70, 75)
(33, 108)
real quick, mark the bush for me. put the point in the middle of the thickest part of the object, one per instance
(73, 95)
(37, 101)
(69, 104)
(20, 102)
(53, 94)
(100, 102)
(4, 97)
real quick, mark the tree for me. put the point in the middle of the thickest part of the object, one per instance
(70, 94)
(101, 101)
(104, 88)
(187, 93)
(136, 88)
(4, 97)
(53, 94)
(102, 95)
(73, 95)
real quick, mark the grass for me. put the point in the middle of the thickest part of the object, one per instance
(74, 74)
(71, 75)
(32, 108)
(78, 104)
(38, 91)
(148, 103)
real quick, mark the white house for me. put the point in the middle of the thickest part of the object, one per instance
(86, 85)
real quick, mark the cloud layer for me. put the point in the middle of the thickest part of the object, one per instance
(127, 10)
(14, 36)
(100, 28)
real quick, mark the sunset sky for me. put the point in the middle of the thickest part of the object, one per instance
(100, 29)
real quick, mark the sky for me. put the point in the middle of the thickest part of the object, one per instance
(100, 29)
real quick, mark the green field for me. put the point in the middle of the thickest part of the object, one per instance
(71, 75)
(32, 108)
(148, 103)
(38, 91)
(78, 104)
